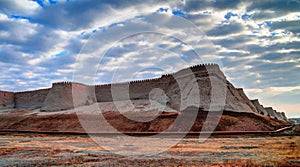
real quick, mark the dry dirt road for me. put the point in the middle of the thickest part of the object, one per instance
(59, 150)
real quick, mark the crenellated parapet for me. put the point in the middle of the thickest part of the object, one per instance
(205, 66)
(67, 84)
(146, 80)
(63, 83)
(197, 68)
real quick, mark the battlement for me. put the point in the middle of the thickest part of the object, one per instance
(67, 84)
(205, 68)
(62, 83)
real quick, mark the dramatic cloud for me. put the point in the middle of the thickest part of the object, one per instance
(257, 42)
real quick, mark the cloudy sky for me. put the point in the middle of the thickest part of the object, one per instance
(256, 43)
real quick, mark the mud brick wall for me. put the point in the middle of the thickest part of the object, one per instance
(6, 100)
(30, 99)
(61, 95)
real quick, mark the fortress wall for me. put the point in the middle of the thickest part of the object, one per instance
(203, 77)
(177, 92)
(103, 93)
(284, 116)
(82, 95)
(30, 99)
(6, 100)
(275, 115)
(142, 89)
(278, 115)
(180, 84)
(136, 89)
(246, 99)
(205, 90)
(261, 110)
(270, 112)
(61, 95)
(234, 102)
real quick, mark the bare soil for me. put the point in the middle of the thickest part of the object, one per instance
(228, 121)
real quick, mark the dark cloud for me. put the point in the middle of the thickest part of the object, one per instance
(8, 55)
(273, 56)
(277, 6)
(58, 62)
(225, 29)
(235, 42)
(292, 26)
(194, 5)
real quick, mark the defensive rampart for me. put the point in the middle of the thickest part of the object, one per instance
(30, 99)
(216, 93)
(261, 110)
(6, 100)
(246, 99)
(67, 95)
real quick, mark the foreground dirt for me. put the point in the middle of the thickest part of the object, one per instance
(227, 121)
(44, 150)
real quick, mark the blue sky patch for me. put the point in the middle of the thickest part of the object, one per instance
(178, 12)
(21, 17)
(62, 53)
(52, 2)
(246, 16)
(229, 15)
(40, 2)
(161, 10)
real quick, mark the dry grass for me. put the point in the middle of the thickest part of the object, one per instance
(43, 150)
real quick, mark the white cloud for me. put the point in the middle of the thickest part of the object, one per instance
(278, 90)
(20, 7)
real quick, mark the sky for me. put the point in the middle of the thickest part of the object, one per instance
(256, 43)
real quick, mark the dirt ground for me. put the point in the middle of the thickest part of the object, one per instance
(60, 150)
(25, 119)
